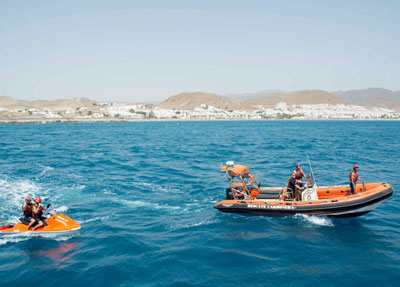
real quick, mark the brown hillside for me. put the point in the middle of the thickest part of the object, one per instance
(189, 101)
(310, 97)
(11, 103)
(55, 105)
(388, 103)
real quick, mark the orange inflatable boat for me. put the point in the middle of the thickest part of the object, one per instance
(57, 223)
(245, 195)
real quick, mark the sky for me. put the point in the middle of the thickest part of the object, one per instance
(136, 51)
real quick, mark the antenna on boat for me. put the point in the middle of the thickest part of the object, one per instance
(311, 172)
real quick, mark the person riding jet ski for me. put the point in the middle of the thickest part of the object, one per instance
(37, 212)
(27, 211)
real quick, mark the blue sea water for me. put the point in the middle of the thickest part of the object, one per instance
(144, 193)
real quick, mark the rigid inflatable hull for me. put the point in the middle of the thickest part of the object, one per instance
(347, 206)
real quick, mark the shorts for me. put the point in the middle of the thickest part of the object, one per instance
(28, 218)
(37, 221)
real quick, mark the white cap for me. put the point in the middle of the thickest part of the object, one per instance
(230, 163)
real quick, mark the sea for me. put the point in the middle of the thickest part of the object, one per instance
(144, 195)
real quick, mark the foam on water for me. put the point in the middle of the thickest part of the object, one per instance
(4, 239)
(61, 209)
(58, 237)
(92, 219)
(157, 188)
(78, 187)
(317, 220)
(150, 205)
(193, 224)
(13, 193)
(14, 238)
(44, 171)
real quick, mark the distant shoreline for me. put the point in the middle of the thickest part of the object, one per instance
(78, 120)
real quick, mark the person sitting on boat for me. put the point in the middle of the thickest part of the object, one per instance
(38, 213)
(300, 173)
(27, 211)
(353, 178)
(294, 186)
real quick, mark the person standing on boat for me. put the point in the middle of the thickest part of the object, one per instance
(300, 173)
(353, 178)
(294, 185)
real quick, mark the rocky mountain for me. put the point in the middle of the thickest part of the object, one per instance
(54, 105)
(11, 103)
(372, 97)
(189, 101)
(311, 97)
(244, 96)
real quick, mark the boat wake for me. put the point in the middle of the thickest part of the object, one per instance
(61, 209)
(193, 225)
(142, 204)
(13, 192)
(44, 171)
(158, 188)
(14, 238)
(92, 219)
(316, 220)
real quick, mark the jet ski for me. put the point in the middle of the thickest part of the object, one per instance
(56, 224)
(5, 225)
(246, 195)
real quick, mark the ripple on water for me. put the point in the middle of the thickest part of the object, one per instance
(144, 194)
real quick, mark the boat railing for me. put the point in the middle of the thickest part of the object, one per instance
(240, 187)
(288, 191)
(363, 183)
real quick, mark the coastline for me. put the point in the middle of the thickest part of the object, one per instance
(103, 112)
(116, 120)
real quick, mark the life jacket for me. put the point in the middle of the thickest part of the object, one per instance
(355, 176)
(299, 174)
(28, 211)
(39, 214)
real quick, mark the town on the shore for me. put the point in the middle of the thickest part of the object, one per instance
(112, 111)
(370, 104)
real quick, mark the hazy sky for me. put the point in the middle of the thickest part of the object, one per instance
(150, 50)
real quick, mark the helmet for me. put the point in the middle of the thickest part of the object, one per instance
(28, 198)
(355, 166)
(38, 200)
(297, 165)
